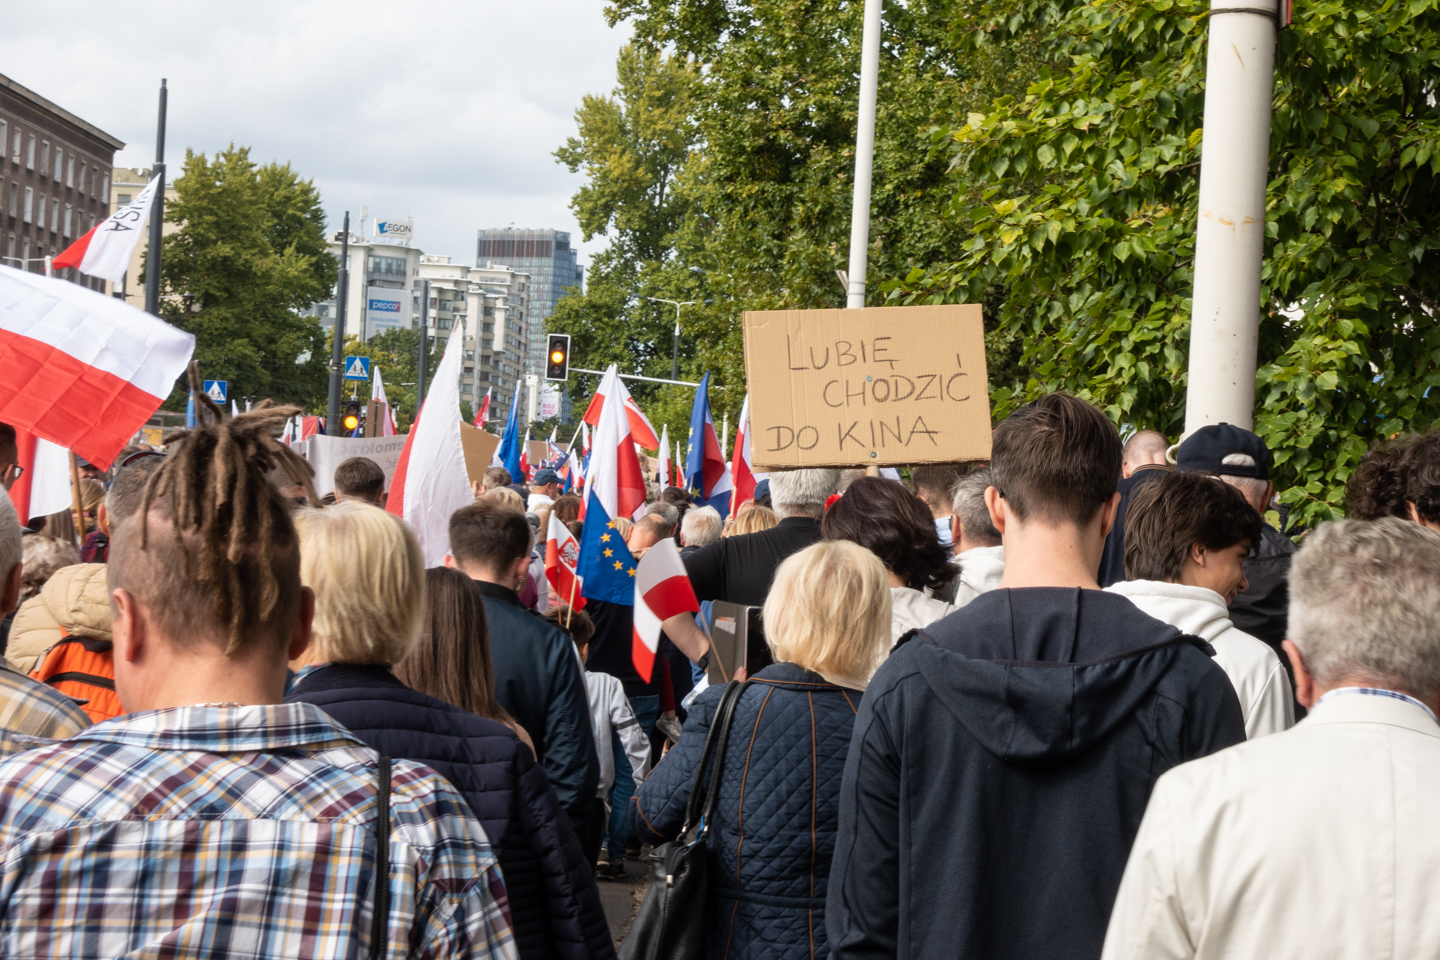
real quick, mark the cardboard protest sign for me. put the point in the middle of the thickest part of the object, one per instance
(882, 386)
(480, 448)
(539, 452)
(326, 453)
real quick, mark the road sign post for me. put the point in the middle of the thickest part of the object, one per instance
(217, 390)
(357, 368)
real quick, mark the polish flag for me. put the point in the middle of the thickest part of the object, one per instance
(742, 467)
(80, 369)
(679, 481)
(430, 482)
(640, 428)
(562, 557)
(614, 490)
(44, 487)
(662, 591)
(526, 470)
(309, 426)
(483, 417)
(105, 251)
(664, 471)
(387, 419)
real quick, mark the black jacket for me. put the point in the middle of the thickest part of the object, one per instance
(539, 682)
(1263, 609)
(999, 770)
(554, 904)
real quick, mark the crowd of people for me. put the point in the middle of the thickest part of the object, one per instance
(1088, 699)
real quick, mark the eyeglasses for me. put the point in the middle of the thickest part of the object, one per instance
(16, 471)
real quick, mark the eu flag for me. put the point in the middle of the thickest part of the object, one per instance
(607, 567)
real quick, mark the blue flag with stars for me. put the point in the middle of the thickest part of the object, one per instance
(509, 452)
(606, 564)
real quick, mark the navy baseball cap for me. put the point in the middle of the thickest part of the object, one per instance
(1206, 449)
(544, 476)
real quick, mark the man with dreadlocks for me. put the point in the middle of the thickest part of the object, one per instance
(212, 819)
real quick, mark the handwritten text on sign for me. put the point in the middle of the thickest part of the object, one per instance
(882, 386)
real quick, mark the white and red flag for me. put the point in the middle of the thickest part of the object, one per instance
(81, 369)
(664, 469)
(483, 417)
(105, 251)
(527, 469)
(614, 490)
(662, 591)
(562, 558)
(742, 467)
(641, 430)
(387, 417)
(430, 482)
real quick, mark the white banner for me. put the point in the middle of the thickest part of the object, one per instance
(327, 453)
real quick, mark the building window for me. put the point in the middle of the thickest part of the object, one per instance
(14, 198)
(25, 255)
(67, 219)
(92, 221)
(69, 170)
(59, 164)
(44, 158)
(4, 136)
(29, 204)
(30, 152)
(15, 152)
(54, 216)
(104, 193)
(123, 199)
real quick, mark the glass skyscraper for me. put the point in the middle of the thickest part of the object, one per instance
(549, 259)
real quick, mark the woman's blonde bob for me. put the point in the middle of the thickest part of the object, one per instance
(368, 576)
(829, 611)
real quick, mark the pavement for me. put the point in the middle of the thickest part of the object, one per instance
(621, 897)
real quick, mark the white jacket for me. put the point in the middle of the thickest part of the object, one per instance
(610, 714)
(913, 610)
(1320, 842)
(980, 572)
(1256, 673)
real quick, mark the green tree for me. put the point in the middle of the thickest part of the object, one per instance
(248, 259)
(1080, 199)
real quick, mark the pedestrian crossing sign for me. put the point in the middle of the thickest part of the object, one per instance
(216, 389)
(357, 368)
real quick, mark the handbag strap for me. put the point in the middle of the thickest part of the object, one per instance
(719, 730)
(712, 796)
(379, 920)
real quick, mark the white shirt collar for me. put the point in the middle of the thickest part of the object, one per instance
(1377, 692)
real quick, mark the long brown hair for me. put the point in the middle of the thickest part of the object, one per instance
(452, 660)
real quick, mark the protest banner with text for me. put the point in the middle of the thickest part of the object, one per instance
(883, 386)
(327, 453)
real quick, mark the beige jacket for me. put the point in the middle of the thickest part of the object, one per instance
(1319, 842)
(75, 598)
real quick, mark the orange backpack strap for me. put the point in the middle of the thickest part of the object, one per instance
(82, 668)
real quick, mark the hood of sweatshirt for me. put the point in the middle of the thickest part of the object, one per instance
(1040, 675)
(1195, 610)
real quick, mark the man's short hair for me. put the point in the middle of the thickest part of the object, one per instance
(9, 448)
(802, 492)
(1056, 460)
(368, 575)
(1169, 516)
(1365, 605)
(127, 490)
(1144, 444)
(490, 534)
(654, 526)
(968, 503)
(360, 478)
(665, 511)
(676, 495)
(701, 526)
(933, 482)
(1251, 487)
(497, 477)
(12, 543)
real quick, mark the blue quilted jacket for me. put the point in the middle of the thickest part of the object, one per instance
(774, 831)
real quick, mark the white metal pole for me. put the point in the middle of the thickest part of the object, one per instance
(1230, 238)
(864, 154)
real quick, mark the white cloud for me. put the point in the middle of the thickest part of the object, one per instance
(443, 110)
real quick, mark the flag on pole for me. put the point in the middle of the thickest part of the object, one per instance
(526, 467)
(742, 468)
(483, 417)
(430, 482)
(706, 474)
(105, 251)
(662, 591)
(615, 487)
(640, 427)
(387, 417)
(664, 471)
(81, 369)
(234, 408)
(508, 453)
(562, 555)
(44, 486)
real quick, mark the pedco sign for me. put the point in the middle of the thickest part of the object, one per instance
(385, 306)
(394, 229)
(385, 309)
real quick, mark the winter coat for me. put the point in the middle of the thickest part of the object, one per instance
(1000, 765)
(1259, 678)
(554, 903)
(74, 600)
(774, 831)
(980, 571)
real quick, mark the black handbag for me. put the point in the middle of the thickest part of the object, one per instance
(671, 922)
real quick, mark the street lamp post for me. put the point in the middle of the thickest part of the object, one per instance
(675, 357)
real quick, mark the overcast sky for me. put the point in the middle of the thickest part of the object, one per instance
(443, 110)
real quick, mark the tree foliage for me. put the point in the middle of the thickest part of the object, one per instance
(248, 258)
(1079, 200)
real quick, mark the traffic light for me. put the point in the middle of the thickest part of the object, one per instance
(557, 357)
(351, 420)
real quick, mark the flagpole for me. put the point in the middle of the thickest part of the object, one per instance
(570, 607)
(157, 215)
(424, 337)
(75, 496)
(337, 338)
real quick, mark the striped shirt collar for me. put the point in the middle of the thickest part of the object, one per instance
(1377, 692)
(263, 727)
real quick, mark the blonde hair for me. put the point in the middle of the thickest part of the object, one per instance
(368, 576)
(508, 497)
(623, 526)
(829, 611)
(753, 520)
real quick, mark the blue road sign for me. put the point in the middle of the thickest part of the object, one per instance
(216, 389)
(357, 368)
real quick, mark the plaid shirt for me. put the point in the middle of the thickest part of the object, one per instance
(31, 711)
(235, 832)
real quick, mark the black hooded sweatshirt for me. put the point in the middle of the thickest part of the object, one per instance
(1000, 764)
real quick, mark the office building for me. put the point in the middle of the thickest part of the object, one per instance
(491, 304)
(54, 179)
(381, 291)
(546, 255)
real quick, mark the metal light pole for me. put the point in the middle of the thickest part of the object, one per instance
(337, 347)
(157, 215)
(424, 340)
(1230, 238)
(675, 356)
(864, 155)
